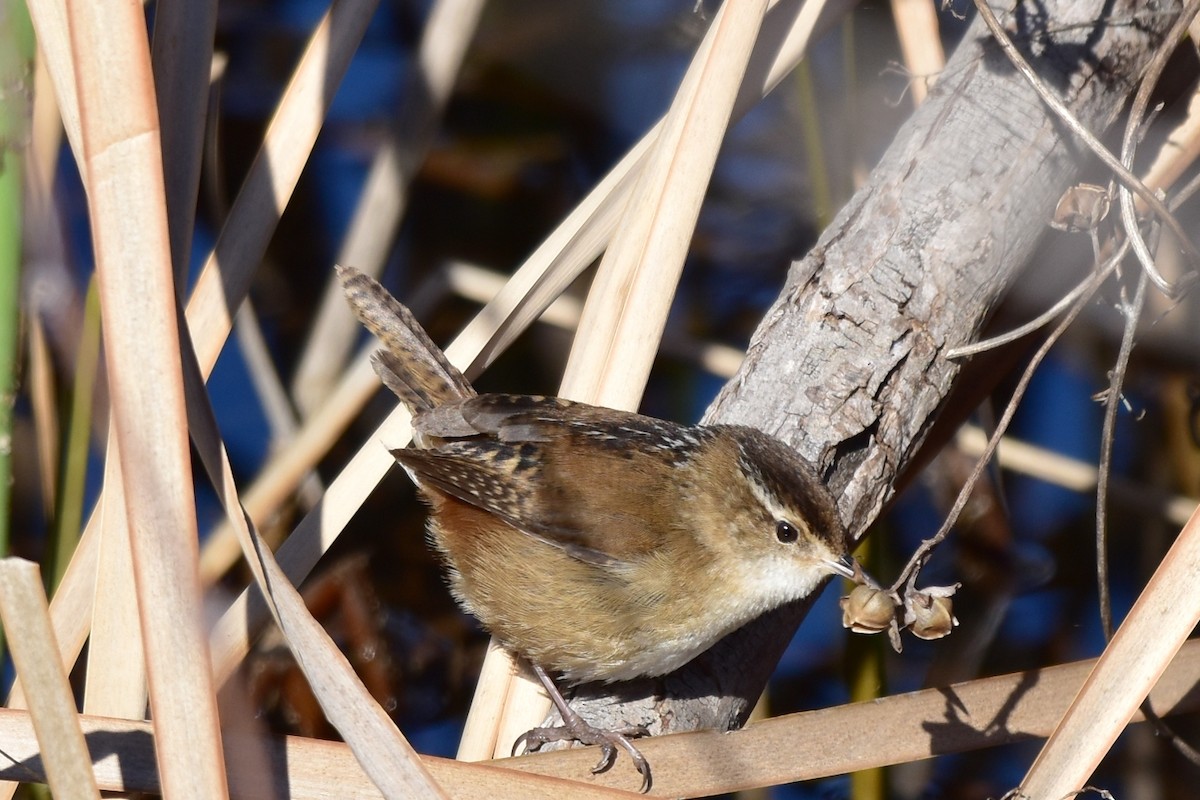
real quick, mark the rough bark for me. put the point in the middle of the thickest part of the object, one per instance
(848, 365)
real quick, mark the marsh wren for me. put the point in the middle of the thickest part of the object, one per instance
(600, 545)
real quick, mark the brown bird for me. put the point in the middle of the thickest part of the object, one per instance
(600, 545)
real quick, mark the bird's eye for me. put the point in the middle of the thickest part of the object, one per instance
(786, 532)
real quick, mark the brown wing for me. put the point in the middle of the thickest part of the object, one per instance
(589, 480)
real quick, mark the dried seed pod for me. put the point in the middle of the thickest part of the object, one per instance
(868, 609)
(932, 615)
(1081, 208)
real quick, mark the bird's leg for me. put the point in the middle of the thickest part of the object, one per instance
(575, 728)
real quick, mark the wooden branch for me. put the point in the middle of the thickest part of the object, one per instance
(848, 365)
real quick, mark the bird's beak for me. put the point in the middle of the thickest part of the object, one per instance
(845, 566)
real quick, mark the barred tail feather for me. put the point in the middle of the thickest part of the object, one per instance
(409, 364)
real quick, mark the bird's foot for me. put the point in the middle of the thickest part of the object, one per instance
(577, 730)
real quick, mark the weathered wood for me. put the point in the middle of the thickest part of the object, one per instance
(848, 365)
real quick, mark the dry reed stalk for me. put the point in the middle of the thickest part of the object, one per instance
(116, 675)
(30, 637)
(54, 46)
(45, 134)
(311, 769)
(306, 98)
(626, 309)
(898, 729)
(380, 749)
(553, 266)
(233, 632)
(583, 243)
(581, 236)
(44, 401)
(1069, 473)
(182, 55)
(285, 469)
(627, 306)
(449, 28)
(969, 716)
(126, 206)
(920, 44)
(225, 279)
(1157, 626)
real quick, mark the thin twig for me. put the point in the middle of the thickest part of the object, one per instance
(926, 548)
(1133, 128)
(1149, 271)
(1132, 311)
(1023, 330)
(272, 395)
(1056, 105)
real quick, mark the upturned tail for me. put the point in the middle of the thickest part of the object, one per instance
(409, 364)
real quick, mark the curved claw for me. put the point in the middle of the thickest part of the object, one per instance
(639, 760)
(534, 738)
(608, 754)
